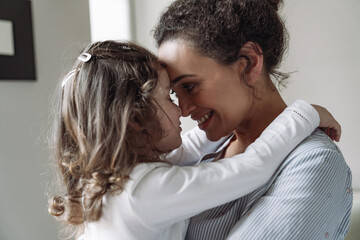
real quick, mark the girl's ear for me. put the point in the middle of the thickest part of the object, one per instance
(251, 61)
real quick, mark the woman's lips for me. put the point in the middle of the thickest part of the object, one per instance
(203, 123)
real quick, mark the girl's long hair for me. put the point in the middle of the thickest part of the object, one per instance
(104, 126)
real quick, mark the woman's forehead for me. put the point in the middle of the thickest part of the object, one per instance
(172, 51)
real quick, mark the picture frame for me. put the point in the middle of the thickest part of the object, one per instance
(19, 62)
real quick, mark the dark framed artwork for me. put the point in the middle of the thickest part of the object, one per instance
(17, 61)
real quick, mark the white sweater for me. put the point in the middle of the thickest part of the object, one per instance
(159, 198)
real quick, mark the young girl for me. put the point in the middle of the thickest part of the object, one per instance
(115, 124)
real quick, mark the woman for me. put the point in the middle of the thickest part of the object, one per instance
(221, 57)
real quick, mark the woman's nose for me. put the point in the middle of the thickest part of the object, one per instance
(180, 111)
(186, 105)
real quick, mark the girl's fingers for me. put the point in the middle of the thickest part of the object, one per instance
(334, 132)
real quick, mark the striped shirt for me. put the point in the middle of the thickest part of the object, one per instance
(308, 197)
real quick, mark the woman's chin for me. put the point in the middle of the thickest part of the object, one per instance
(212, 137)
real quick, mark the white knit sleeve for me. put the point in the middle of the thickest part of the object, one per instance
(168, 194)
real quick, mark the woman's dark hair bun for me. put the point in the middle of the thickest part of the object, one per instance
(275, 3)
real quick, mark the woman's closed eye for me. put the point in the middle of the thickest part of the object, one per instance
(188, 87)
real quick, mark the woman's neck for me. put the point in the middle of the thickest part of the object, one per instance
(263, 113)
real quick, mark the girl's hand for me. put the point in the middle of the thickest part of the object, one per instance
(328, 124)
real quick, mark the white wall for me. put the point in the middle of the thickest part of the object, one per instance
(325, 52)
(110, 19)
(60, 29)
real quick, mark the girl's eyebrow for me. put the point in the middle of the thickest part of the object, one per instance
(173, 82)
(163, 64)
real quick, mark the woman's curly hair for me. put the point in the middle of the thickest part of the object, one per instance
(220, 28)
(104, 126)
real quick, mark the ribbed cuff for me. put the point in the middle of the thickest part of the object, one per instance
(306, 111)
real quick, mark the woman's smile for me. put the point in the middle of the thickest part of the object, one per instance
(213, 94)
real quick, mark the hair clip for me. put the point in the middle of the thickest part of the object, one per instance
(126, 47)
(69, 75)
(85, 57)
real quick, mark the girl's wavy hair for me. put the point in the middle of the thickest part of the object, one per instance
(104, 126)
(220, 28)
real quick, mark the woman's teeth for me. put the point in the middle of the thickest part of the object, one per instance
(204, 118)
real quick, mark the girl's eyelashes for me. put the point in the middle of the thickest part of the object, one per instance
(169, 97)
(173, 92)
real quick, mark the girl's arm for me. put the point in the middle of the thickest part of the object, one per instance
(195, 146)
(168, 194)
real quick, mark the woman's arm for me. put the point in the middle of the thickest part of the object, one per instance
(166, 195)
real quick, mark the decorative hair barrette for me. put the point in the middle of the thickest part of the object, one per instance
(126, 47)
(84, 57)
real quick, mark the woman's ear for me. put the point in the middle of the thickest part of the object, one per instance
(251, 61)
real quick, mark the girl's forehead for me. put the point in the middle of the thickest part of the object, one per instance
(163, 85)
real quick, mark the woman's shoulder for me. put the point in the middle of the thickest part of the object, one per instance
(317, 151)
(316, 141)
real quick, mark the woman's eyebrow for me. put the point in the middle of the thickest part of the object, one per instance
(173, 82)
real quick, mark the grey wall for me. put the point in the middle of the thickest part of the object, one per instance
(60, 29)
(324, 50)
